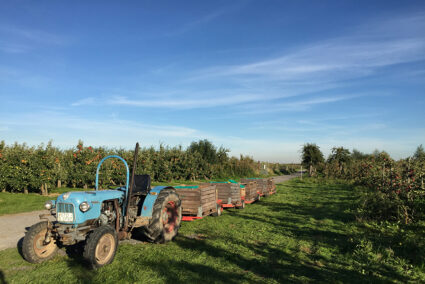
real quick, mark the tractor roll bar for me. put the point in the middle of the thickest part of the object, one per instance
(126, 166)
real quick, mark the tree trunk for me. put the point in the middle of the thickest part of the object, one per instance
(59, 183)
(3, 190)
(44, 190)
(311, 169)
(85, 186)
(26, 190)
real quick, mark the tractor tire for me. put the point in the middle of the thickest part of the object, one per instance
(101, 246)
(166, 218)
(33, 248)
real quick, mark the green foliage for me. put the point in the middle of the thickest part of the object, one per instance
(419, 153)
(36, 169)
(395, 189)
(311, 157)
(208, 151)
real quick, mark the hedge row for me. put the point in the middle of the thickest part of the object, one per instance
(396, 190)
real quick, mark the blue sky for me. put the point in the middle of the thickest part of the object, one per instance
(259, 77)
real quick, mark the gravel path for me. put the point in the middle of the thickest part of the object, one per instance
(280, 179)
(14, 226)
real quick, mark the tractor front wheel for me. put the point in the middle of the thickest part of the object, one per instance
(35, 249)
(101, 246)
(166, 217)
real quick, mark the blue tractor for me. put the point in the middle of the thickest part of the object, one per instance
(98, 219)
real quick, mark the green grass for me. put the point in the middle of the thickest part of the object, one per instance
(18, 202)
(11, 203)
(307, 232)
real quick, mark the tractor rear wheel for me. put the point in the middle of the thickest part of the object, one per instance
(166, 217)
(34, 247)
(101, 246)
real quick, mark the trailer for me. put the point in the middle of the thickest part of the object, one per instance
(198, 202)
(229, 195)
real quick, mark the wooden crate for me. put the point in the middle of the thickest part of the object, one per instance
(261, 185)
(198, 201)
(271, 186)
(229, 193)
(249, 192)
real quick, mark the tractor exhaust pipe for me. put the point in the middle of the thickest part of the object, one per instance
(130, 190)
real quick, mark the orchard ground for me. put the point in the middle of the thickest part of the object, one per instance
(307, 232)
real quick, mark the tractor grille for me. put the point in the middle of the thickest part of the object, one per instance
(65, 212)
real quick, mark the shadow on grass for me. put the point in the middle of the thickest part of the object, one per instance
(270, 263)
(2, 279)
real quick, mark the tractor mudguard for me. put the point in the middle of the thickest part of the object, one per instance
(150, 200)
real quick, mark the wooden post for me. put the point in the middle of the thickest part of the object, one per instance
(301, 172)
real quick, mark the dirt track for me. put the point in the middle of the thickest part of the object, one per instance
(14, 226)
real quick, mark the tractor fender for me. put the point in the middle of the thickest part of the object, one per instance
(150, 199)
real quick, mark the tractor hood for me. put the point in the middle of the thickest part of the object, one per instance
(68, 204)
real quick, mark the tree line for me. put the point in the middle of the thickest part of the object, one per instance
(26, 168)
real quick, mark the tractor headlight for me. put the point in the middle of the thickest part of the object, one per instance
(49, 204)
(84, 206)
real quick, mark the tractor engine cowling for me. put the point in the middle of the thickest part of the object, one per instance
(79, 207)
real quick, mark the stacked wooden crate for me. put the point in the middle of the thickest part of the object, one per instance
(229, 194)
(261, 185)
(199, 200)
(271, 186)
(249, 191)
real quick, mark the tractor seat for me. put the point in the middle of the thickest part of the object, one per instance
(142, 184)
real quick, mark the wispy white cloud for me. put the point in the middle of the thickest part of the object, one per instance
(54, 120)
(13, 48)
(22, 40)
(306, 72)
(33, 35)
(185, 102)
(66, 129)
(84, 102)
(333, 60)
(187, 27)
(300, 104)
